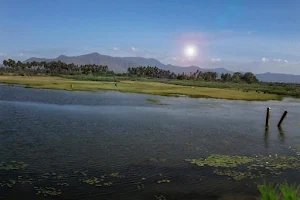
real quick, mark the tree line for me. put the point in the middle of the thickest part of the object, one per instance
(61, 68)
(53, 68)
(155, 72)
(237, 77)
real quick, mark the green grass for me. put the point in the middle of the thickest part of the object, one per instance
(268, 191)
(271, 88)
(271, 191)
(290, 192)
(146, 86)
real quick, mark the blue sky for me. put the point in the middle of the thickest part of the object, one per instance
(232, 31)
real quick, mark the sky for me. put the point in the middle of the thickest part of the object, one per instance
(257, 35)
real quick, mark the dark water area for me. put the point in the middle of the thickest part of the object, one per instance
(73, 142)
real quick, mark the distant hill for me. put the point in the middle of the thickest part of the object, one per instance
(121, 64)
(277, 77)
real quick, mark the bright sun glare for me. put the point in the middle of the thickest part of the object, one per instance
(190, 51)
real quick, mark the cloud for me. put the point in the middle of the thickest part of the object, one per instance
(265, 60)
(134, 49)
(280, 60)
(116, 49)
(277, 60)
(21, 54)
(1, 54)
(216, 60)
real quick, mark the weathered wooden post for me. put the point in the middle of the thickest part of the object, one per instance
(282, 118)
(268, 116)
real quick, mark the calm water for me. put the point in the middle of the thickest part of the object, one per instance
(66, 137)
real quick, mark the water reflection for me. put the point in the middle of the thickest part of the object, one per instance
(266, 138)
(281, 135)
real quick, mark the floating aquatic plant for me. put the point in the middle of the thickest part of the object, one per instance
(275, 164)
(48, 191)
(13, 165)
(221, 161)
(108, 184)
(236, 175)
(115, 175)
(257, 166)
(91, 181)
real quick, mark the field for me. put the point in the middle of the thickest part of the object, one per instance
(146, 86)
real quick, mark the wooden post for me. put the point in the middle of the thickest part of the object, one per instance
(282, 118)
(268, 116)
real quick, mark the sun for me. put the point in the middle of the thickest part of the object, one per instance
(190, 51)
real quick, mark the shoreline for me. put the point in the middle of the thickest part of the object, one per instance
(139, 87)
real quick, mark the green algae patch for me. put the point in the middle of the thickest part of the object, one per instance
(276, 163)
(12, 165)
(236, 175)
(47, 191)
(91, 181)
(108, 184)
(115, 175)
(248, 167)
(221, 161)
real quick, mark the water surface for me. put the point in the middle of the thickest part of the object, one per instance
(67, 137)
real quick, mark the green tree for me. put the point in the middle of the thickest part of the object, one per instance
(5, 63)
(249, 77)
(236, 77)
(226, 77)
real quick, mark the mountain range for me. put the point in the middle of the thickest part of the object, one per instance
(121, 64)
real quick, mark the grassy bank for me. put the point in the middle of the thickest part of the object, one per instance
(282, 89)
(145, 86)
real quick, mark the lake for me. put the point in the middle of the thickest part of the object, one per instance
(111, 145)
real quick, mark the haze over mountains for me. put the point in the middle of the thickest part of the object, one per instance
(121, 64)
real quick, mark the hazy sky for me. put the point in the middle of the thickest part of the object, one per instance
(240, 31)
